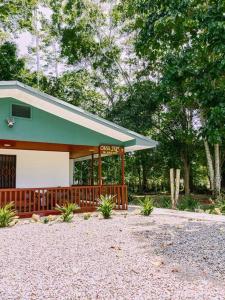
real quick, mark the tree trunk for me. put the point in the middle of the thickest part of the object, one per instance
(192, 187)
(55, 58)
(208, 157)
(223, 178)
(139, 178)
(37, 42)
(217, 169)
(144, 178)
(210, 166)
(172, 187)
(177, 185)
(186, 174)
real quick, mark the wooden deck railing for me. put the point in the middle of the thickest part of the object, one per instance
(44, 200)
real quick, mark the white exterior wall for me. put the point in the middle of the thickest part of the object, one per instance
(40, 168)
(71, 168)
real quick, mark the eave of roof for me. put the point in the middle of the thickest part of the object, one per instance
(135, 141)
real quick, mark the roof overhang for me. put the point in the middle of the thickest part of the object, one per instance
(133, 141)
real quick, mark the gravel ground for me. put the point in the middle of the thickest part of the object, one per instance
(169, 255)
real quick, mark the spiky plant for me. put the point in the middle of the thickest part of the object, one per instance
(66, 211)
(188, 203)
(146, 206)
(106, 205)
(7, 215)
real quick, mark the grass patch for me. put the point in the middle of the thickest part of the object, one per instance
(188, 203)
(162, 202)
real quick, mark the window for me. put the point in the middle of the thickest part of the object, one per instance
(21, 111)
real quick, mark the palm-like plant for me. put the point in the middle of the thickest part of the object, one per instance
(146, 206)
(106, 205)
(66, 211)
(7, 215)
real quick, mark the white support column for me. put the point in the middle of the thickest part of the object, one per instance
(71, 170)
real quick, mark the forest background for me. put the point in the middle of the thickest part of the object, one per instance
(156, 67)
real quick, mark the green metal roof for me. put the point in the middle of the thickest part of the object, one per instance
(132, 140)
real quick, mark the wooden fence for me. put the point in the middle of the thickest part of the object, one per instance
(44, 200)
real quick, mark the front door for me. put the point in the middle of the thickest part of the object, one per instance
(7, 171)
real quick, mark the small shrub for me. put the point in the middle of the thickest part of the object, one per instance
(7, 215)
(87, 216)
(163, 202)
(219, 207)
(46, 220)
(220, 202)
(52, 218)
(146, 206)
(131, 197)
(66, 211)
(188, 203)
(106, 206)
(215, 211)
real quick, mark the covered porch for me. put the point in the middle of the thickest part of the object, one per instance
(66, 161)
(45, 144)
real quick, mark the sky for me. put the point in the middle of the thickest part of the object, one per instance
(26, 40)
(23, 41)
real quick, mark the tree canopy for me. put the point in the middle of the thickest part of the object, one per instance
(156, 67)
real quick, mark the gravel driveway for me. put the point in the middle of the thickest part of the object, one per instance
(169, 255)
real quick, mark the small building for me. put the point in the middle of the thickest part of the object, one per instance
(42, 137)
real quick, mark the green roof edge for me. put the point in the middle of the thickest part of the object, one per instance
(16, 84)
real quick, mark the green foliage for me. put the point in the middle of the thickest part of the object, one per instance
(188, 203)
(46, 220)
(76, 87)
(131, 197)
(215, 129)
(219, 206)
(220, 199)
(106, 206)
(146, 206)
(15, 15)
(7, 215)
(182, 43)
(163, 202)
(86, 41)
(10, 66)
(151, 67)
(66, 211)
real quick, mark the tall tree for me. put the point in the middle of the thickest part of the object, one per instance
(89, 40)
(182, 43)
(11, 67)
(15, 15)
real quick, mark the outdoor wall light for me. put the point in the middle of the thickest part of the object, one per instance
(10, 122)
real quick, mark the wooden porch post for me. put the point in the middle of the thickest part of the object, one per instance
(99, 167)
(92, 169)
(124, 197)
(99, 171)
(123, 167)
